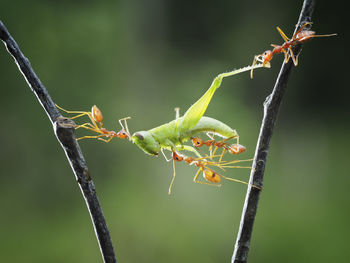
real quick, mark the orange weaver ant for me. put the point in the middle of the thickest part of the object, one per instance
(300, 36)
(232, 149)
(209, 174)
(96, 125)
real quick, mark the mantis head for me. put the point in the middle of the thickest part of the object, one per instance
(145, 141)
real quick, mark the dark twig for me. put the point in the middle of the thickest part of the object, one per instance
(271, 107)
(65, 135)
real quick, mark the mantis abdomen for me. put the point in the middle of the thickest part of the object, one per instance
(207, 124)
(162, 134)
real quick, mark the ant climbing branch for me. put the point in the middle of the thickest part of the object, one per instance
(299, 37)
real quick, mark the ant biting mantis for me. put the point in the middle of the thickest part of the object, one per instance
(96, 118)
(172, 135)
(300, 36)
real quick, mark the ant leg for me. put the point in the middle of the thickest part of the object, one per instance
(328, 35)
(286, 56)
(244, 167)
(255, 60)
(291, 54)
(228, 164)
(222, 155)
(106, 141)
(87, 125)
(225, 149)
(232, 137)
(196, 176)
(225, 163)
(239, 181)
(80, 113)
(91, 137)
(283, 35)
(211, 136)
(224, 145)
(214, 152)
(301, 28)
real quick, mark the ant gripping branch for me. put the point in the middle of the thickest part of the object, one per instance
(300, 36)
(96, 125)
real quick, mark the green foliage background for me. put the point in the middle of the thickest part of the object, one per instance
(142, 59)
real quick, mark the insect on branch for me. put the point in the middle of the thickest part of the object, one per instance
(271, 107)
(64, 132)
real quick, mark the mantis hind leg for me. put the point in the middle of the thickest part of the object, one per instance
(197, 110)
(173, 179)
(191, 149)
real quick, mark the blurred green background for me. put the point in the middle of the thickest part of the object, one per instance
(142, 59)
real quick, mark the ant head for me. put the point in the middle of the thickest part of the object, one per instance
(177, 157)
(122, 134)
(197, 142)
(266, 57)
(96, 114)
(146, 142)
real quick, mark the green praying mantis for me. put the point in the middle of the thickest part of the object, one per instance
(173, 135)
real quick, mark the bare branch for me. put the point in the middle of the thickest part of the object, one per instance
(65, 135)
(271, 107)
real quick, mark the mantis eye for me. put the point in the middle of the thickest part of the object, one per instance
(139, 136)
